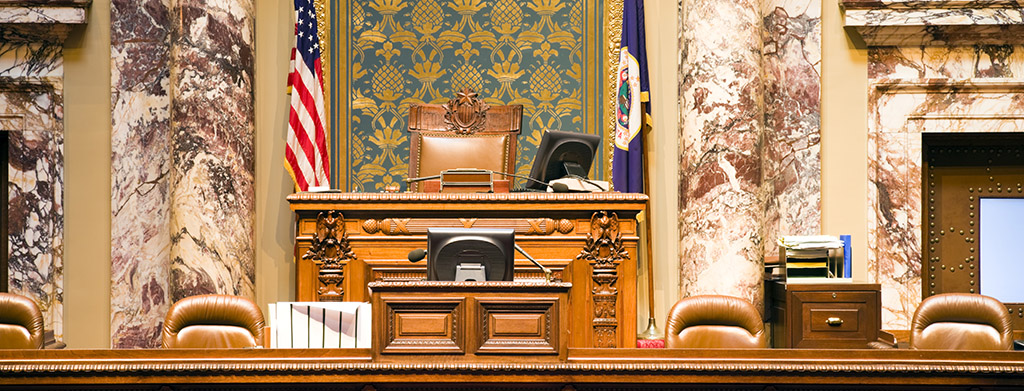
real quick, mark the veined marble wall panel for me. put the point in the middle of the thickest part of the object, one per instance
(791, 149)
(722, 113)
(38, 12)
(140, 167)
(911, 23)
(32, 109)
(916, 90)
(32, 50)
(32, 103)
(212, 144)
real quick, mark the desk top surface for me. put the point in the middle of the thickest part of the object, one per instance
(297, 200)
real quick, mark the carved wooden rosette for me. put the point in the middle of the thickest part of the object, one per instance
(604, 252)
(466, 114)
(330, 251)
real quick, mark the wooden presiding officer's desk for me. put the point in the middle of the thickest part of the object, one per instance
(344, 241)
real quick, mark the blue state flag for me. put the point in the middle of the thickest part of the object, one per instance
(632, 90)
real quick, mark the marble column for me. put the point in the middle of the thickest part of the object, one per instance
(182, 164)
(791, 149)
(32, 114)
(721, 114)
(212, 140)
(140, 168)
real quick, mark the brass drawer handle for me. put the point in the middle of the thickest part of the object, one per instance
(834, 321)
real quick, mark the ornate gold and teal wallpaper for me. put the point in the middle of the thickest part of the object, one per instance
(546, 55)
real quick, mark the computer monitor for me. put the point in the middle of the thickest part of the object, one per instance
(562, 154)
(470, 254)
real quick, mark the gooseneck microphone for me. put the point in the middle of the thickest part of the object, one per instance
(417, 255)
(547, 272)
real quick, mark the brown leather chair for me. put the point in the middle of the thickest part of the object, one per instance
(463, 133)
(961, 321)
(714, 321)
(21, 323)
(213, 321)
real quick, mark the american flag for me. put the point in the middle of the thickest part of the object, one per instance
(306, 153)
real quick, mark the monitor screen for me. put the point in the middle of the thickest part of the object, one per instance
(1000, 261)
(562, 154)
(470, 254)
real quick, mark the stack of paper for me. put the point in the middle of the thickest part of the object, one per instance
(320, 324)
(817, 242)
(812, 258)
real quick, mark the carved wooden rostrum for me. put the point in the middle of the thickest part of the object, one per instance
(553, 228)
(604, 252)
(330, 251)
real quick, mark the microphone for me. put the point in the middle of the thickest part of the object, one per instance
(417, 255)
(547, 272)
(559, 187)
(422, 178)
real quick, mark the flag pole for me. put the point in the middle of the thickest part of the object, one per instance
(652, 331)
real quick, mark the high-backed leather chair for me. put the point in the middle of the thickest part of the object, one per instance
(961, 321)
(463, 133)
(714, 321)
(21, 323)
(213, 321)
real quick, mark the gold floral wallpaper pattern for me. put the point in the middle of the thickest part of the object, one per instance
(385, 55)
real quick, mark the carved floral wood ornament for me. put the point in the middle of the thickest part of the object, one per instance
(604, 252)
(466, 114)
(330, 251)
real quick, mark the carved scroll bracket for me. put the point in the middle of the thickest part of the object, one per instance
(604, 252)
(330, 251)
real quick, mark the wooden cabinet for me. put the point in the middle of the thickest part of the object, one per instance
(824, 316)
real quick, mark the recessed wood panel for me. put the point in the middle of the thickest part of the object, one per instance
(519, 325)
(422, 325)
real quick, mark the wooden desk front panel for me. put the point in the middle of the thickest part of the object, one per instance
(470, 321)
(584, 369)
(381, 229)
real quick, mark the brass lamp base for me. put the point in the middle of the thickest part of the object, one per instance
(652, 331)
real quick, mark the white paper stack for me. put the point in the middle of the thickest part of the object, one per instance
(320, 325)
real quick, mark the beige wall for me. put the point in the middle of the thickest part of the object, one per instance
(275, 270)
(87, 181)
(661, 18)
(87, 150)
(844, 140)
